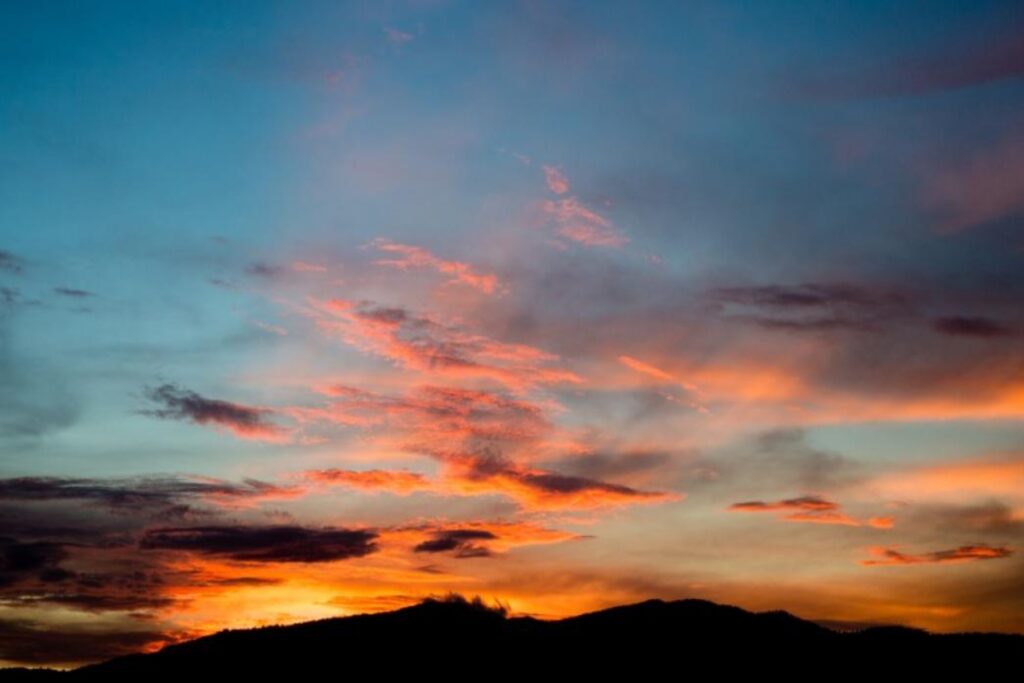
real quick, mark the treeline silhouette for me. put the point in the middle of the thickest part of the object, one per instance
(458, 639)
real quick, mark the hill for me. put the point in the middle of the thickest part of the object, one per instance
(460, 639)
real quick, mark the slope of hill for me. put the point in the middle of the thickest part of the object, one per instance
(460, 639)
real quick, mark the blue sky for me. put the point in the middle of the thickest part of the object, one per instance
(727, 287)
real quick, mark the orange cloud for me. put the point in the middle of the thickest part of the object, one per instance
(424, 344)
(965, 553)
(966, 479)
(538, 489)
(497, 536)
(812, 509)
(401, 482)
(417, 257)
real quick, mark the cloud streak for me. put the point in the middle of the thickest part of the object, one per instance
(964, 553)
(811, 509)
(264, 543)
(409, 257)
(246, 422)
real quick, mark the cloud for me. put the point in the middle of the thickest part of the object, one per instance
(813, 509)
(401, 482)
(782, 459)
(73, 293)
(142, 494)
(21, 561)
(268, 271)
(417, 257)
(993, 518)
(472, 433)
(538, 489)
(984, 188)
(11, 263)
(645, 369)
(396, 37)
(581, 224)
(473, 538)
(36, 642)
(421, 343)
(264, 543)
(460, 541)
(961, 63)
(246, 422)
(556, 180)
(955, 481)
(306, 267)
(573, 219)
(971, 326)
(434, 412)
(964, 553)
(604, 463)
(809, 306)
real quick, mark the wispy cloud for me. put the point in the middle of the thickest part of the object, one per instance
(264, 543)
(574, 220)
(247, 422)
(421, 343)
(964, 553)
(556, 180)
(812, 509)
(11, 263)
(410, 256)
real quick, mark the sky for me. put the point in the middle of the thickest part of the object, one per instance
(313, 309)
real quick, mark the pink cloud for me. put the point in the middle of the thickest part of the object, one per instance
(556, 180)
(417, 257)
(397, 37)
(581, 224)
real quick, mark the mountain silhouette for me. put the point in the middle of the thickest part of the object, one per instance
(463, 639)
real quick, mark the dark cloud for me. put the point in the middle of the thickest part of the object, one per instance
(73, 293)
(247, 581)
(264, 543)
(11, 263)
(958, 64)
(158, 495)
(551, 482)
(811, 306)
(461, 541)
(264, 270)
(805, 503)
(23, 561)
(780, 459)
(9, 296)
(31, 642)
(605, 464)
(112, 601)
(182, 404)
(491, 465)
(964, 553)
(971, 326)
(993, 518)
(804, 295)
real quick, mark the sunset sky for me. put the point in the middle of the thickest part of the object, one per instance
(311, 309)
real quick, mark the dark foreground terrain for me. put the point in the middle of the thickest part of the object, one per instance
(455, 639)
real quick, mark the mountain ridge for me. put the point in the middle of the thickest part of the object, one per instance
(456, 631)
